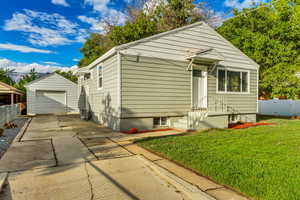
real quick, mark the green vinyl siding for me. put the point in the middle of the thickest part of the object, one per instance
(157, 87)
(154, 87)
(103, 102)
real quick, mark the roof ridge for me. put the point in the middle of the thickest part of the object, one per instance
(129, 44)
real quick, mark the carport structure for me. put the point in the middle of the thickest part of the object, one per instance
(9, 94)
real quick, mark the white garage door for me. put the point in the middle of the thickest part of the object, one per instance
(50, 102)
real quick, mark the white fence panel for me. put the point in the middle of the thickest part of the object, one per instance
(8, 113)
(279, 107)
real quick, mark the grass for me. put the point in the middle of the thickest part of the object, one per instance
(262, 162)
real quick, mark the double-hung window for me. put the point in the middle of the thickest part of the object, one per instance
(100, 76)
(233, 81)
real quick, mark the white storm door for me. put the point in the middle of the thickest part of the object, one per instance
(199, 89)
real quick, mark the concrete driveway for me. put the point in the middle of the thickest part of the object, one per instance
(62, 157)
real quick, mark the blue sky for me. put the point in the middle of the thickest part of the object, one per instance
(47, 34)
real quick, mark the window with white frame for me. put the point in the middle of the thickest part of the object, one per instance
(233, 81)
(100, 76)
(159, 121)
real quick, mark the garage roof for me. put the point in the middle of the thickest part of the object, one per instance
(44, 77)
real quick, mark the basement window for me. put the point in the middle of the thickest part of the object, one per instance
(159, 121)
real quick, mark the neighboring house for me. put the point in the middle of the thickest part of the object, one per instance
(187, 78)
(51, 94)
(9, 94)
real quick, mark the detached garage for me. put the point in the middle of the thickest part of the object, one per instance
(51, 94)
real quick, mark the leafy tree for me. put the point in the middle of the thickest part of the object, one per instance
(280, 81)
(5, 78)
(270, 35)
(95, 46)
(31, 76)
(178, 13)
(68, 75)
(140, 28)
(144, 21)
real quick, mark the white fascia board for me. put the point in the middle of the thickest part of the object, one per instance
(103, 57)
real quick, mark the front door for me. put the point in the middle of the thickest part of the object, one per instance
(199, 88)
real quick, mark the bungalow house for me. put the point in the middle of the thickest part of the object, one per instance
(187, 78)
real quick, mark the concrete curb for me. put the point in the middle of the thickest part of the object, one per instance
(3, 177)
(211, 188)
(186, 188)
(22, 131)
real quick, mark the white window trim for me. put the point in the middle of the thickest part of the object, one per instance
(91, 74)
(235, 70)
(99, 88)
(160, 124)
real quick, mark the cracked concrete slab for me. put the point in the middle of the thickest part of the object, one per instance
(28, 155)
(45, 127)
(70, 150)
(58, 183)
(127, 178)
(44, 122)
(123, 178)
(104, 148)
(65, 167)
(46, 134)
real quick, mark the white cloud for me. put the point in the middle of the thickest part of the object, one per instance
(51, 63)
(107, 14)
(26, 67)
(242, 4)
(23, 49)
(60, 2)
(97, 25)
(98, 5)
(82, 35)
(75, 59)
(43, 29)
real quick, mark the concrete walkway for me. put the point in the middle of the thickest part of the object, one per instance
(62, 157)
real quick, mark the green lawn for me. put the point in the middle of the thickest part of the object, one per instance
(261, 162)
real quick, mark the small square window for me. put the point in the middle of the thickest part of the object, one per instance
(160, 121)
(156, 121)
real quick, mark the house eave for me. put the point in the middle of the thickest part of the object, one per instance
(102, 58)
(203, 59)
